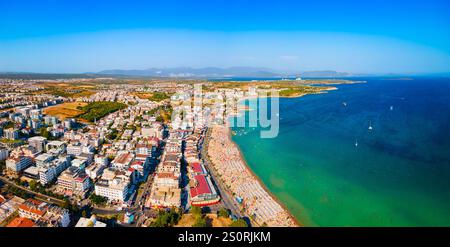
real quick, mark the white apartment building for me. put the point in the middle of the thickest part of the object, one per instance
(18, 164)
(115, 189)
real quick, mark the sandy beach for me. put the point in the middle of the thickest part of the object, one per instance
(257, 201)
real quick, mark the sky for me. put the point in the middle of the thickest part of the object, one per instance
(379, 37)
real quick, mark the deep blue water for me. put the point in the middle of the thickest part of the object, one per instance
(399, 174)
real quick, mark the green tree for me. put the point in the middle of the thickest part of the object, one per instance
(200, 222)
(167, 218)
(196, 211)
(223, 212)
(44, 132)
(66, 204)
(33, 185)
(98, 200)
(239, 223)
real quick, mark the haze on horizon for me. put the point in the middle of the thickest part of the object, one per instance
(407, 37)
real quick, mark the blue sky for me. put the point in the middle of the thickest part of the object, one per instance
(353, 36)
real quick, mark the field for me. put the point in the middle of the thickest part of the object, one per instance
(142, 95)
(188, 220)
(65, 110)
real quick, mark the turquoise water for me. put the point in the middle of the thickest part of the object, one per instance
(398, 175)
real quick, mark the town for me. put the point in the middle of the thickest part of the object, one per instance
(101, 153)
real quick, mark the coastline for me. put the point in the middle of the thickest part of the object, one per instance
(259, 204)
(296, 222)
(258, 179)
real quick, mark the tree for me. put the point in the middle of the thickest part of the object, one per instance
(167, 218)
(66, 204)
(200, 222)
(44, 132)
(98, 200)
(2, 165)
(196, 211)
(223, 212)
(239, 223)
(33, 185)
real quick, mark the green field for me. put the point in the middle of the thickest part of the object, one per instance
(97, 110)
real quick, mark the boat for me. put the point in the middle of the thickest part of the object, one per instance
(344, 103)
(391, 108)
(356, 143)
(370, 126)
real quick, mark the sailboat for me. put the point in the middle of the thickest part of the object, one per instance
(370, 126)
(356, 143)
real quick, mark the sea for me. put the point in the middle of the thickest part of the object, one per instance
(368, 154)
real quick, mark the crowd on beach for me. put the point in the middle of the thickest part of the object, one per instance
(234, 173)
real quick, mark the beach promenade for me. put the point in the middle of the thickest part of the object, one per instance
(233, 172)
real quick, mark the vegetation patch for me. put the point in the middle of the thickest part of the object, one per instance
(97, 110)
(159, 96)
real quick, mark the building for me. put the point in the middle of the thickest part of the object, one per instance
(144, 151)
(164, 196)
(102, 160)
(115, 189)
(9, 206)
(166, 179)
(95, 170)
(50, 120)
(21, 222)
(56, 147)
(79, 163)
(203, 192)
(74, 149)
(123, 160)
(43, 214)
(4, 153)
(11, 134)
(38, 142)
(18, 164)
(114, 184)
(41, 159)
(73, 181)
(49, 171)
(31, 172)
(89, 222)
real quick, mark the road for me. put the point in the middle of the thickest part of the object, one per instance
(226, 198)
(48, 198)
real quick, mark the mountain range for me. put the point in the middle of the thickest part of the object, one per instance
(215, 72)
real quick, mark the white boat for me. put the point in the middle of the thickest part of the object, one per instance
(344, 103)
(356, 143)
(391, 108)
(370, 126)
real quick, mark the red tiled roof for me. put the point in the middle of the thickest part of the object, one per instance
(31, 209)
(81, 178)
(21, 222)
(197, 167)
(201, 188)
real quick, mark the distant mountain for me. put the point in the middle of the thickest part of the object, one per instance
(324, 73)
(187, 72)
